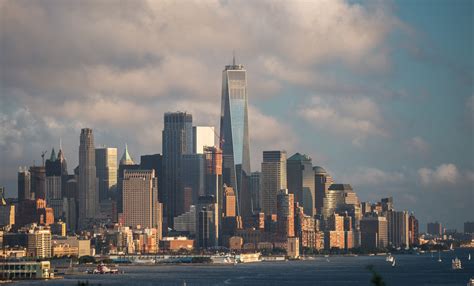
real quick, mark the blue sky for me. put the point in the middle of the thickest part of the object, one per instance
(379, 93)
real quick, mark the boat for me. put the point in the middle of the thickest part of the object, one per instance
(222, 259)
(103, 269)
(471, 282)
(389, 258)
(451, 247)
(393, 263)
(456, 264)
(469, 257)
(439, 257)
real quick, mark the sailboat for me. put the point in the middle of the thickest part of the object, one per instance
(393, 263)
(439, 257)
(451, 247)
(469, 257)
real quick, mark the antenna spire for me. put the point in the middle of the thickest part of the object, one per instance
(233, 57)
(60, 144)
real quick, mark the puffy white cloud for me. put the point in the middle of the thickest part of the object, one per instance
(353, 117)
(370, 176)
(443, 174)
(418, 144)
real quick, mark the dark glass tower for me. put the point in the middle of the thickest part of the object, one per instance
(87, 184)
(234, 139)
(177, 141)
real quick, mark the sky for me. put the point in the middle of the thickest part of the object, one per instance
(379, 93)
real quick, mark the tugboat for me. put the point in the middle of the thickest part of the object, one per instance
(456, 264)
(103, 269)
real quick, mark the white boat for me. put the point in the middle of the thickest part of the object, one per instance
(439, 257)
(144, 261)
(222, 259)
(393, 263)
(389, 258)
(456, 264)
(451, 247)
(469, 257)
(103, 269)
(471, 282)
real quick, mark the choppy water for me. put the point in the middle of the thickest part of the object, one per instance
(416, 270)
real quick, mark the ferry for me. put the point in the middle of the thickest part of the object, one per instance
(103, 269)
(144, 261)
(249, 257)
(222, 259)
(456, 264)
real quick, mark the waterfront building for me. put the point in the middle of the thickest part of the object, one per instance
(413, 230)
(106, 170)
(203, 136)
(285, 214)
(207, 224)
(234, 136)
(273, 179)
(301, 181)
(293, 247)
(39, 243)
(88, 196)
(435, 228)
(140, 199)
(24, 184)
(374, 232)
(186, 222)
(322, 182)
(177, 141)
(19, 270)
(398, 234)
(176, 243)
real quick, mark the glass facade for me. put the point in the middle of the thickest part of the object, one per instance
(234, 135)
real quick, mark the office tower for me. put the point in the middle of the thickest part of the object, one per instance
(38, 182)
(333, 199)
(229, 202)
(70, 198)
(336, 222)
(154, 162)
(387, 204)
(335, 234)
(207, 225)
(374, 232)
(177, 141)
(398, 228)
(413, 229)
(140, 199)
(273, 179)
(192, 181)
(186, 222)
(39, 243)
(24, 184)
(469, 227)
(435, 228)
(234, 136)
(365, 208)
(88, 196)
(305, 228)
(322, 182)
(56, 173)
(300, 181)
(255, 191)
(285, 214)
(106, 170)
(203, 136)
(213, 173)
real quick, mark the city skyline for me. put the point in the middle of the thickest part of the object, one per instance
(370, 135)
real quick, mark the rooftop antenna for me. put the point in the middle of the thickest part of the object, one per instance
(233, 57)
(60, 144)
(42, 156)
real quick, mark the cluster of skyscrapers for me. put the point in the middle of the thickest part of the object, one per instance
(201, 186)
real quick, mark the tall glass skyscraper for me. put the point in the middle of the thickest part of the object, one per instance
(88, 193)
(234, 136)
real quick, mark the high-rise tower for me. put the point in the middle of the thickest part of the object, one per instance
(177, 141)
(87, 191)
(234, 135)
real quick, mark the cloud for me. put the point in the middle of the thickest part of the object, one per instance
(443, 174)
(356, 118)
(419, 145)
(370, 176)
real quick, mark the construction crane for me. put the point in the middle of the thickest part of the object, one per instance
(42, 156)
(221, 140)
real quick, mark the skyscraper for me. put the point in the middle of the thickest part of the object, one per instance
(234, 135)
(154, 162)
(192, 182)
(273, 179)
(140, 199)
(87, 184)
(255, 190)
(285, 214)
(126, 163)
(38, 182)
(398, 233)
(213, 173)
(322, 182)
(373, 232)
(24, 184)
(106, 169)
(207, 222)
(300, 178)
(177, 141)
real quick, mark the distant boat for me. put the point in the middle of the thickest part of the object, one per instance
(471, 282)
(469, 257)
(393, 263)
(439, 257)
(456, 264)
(389, 258)
(451, 247)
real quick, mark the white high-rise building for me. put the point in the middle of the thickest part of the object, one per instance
(203, 136)
(39, 243)
(106, 168)
(273, 179)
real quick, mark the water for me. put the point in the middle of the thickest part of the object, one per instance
(409, 270)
